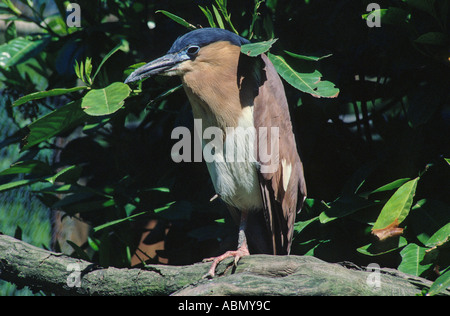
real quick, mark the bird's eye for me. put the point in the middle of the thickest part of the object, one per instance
(192, 50)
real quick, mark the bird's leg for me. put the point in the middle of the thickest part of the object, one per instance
(237, 254)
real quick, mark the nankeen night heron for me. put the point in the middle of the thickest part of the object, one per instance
(228, 89)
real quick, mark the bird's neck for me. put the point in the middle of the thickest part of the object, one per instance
(212, 87)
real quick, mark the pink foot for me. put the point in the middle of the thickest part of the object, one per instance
(237, 254)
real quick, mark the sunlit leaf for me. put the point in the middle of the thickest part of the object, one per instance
(20, 50)
(17, 184)
(307, 82)
(441, 283)
(218, 17)
(396, 208)
(11, 5)
(412, 260)
(427, 217)
(439, 238)
(105, 101)
(207, 12)
(177, 19)
(118, 221)
(256, 49)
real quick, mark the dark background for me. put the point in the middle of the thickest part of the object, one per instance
(390, 121)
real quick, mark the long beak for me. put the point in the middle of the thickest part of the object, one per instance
(157, 67)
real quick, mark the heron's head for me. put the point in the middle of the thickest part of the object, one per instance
(188, 52)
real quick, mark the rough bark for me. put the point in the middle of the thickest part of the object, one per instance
(26, 265)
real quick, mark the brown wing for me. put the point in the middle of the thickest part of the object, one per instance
(281, 177)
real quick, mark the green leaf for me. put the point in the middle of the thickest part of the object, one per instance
(256, 49)
(391, 186)
(391, 16)
(439, 238)
(307, 58)
(11, 5)
(20, 50)
(177, 19)
(218, 17)
(54, 123)
(118, 221)
(207, 12)
(160, 209)
(379, 248)
(412, 260)
(31, 166)
(427, 217)
(344, 206)
(17, 184)
(105, 101)
(440, 285)
(307, 82)
(398, 206)
(46, 94)
(94, 243)
(68, 175)
(10, 32)
(301, 225)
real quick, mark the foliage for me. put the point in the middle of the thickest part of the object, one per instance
(376, 155)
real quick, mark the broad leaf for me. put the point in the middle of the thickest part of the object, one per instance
(441, 283)
(427, 218)
(397, 207)
(412, 260)
(105, 101)
(256, 49)
(307, 82)
(54, 123)
(439, 238)
(20, 50)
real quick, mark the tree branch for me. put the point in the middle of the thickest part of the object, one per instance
(39, 269)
